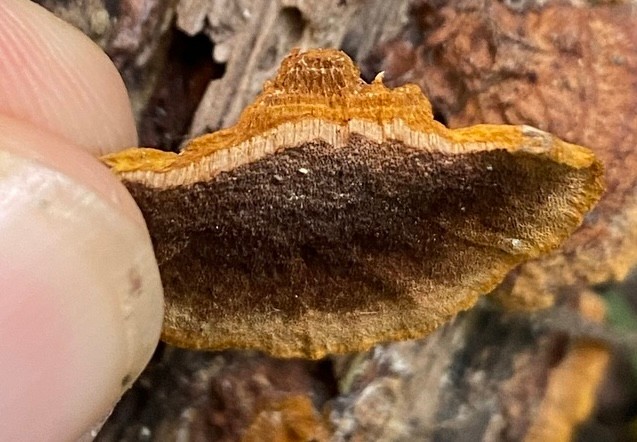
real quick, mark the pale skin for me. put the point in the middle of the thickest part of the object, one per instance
(80, 295)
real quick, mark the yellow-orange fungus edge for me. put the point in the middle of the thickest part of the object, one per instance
(319, 95)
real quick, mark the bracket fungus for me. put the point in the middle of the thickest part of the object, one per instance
(337, 214)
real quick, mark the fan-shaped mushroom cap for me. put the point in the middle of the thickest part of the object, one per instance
(338, 214)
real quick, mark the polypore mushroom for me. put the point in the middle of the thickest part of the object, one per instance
(338, 214)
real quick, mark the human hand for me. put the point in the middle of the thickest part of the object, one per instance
(80, 294)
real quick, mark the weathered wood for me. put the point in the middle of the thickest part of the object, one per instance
(251, 38)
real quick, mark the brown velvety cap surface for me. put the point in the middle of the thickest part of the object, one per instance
(338, 214)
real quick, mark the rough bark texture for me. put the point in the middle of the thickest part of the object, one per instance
(499, 377)
(186, 395)
(251, 37)
(568, 68)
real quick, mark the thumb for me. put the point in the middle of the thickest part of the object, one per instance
(80, 293)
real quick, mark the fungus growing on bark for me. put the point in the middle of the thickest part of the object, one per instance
(338, 214)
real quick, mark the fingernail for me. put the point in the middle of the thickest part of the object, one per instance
(81, 302)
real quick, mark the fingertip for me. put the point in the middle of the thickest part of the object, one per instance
(81, 306)
(81, 303)
(31, 142)
(54, 77)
